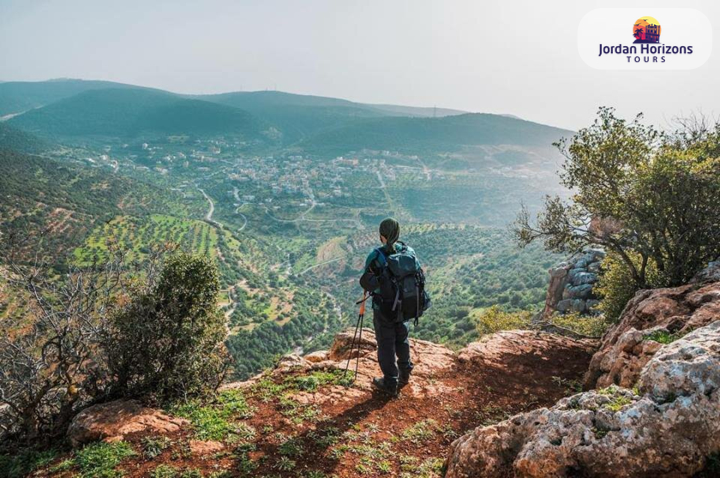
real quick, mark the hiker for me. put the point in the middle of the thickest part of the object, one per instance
(396, 282)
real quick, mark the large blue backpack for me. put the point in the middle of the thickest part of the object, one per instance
(402, 285)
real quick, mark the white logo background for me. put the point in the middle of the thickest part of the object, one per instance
(614, 26)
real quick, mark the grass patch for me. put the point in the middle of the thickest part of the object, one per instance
(617, 399)
(313, 381)
(215, 421)
(421, 431)
(154, 446)
(164, 471)
(99, 460)
(663, 337)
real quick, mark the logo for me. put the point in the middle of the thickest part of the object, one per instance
(684, 41)
(646, 30)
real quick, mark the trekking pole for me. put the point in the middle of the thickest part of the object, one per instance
(358, 327)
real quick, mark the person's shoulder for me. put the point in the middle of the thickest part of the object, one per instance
(373, 254)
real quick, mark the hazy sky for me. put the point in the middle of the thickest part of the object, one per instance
(509, 56)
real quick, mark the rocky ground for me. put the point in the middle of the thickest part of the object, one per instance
(510, 405)
(653, 409)
(302, 420)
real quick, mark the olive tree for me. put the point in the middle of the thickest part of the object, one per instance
(651, 199)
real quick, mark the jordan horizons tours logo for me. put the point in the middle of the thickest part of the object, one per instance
(646, 31)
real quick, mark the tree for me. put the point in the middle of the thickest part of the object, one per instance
(168, 341)
(646, 196)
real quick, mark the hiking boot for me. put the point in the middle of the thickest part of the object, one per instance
(404, 379)
(380, 384)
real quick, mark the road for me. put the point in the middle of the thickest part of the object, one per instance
(211, 210)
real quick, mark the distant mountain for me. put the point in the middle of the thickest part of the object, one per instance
(129, 112)
(17, 140)
(415, 111)
(19, 96)
(296, 116)
(450, 133)
(301, 116)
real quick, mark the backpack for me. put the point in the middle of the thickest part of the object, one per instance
(402, 285)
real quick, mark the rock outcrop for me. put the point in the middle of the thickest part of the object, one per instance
(571, 284)
(496, 349)
(430, 361)
(651, 317)
(112, 421)
(667, 429)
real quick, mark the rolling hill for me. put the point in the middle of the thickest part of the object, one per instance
(416, 135)
(19, 96)
(301, 116)
(17, 140)
(125, 113)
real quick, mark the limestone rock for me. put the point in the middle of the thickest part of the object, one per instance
(710, 274)
(496, 348)
(113, 420)
(625, 348)
(571, 284)
(668, 430)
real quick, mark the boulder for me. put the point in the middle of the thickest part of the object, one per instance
(709, 274)
(571, 283)
(498, 348)
(340, 349)
(624, 349)
(112, 421)
(668, 429)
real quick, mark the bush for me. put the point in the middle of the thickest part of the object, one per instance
(589, 326)
(616, 285)
(494, 319)
(168, 341)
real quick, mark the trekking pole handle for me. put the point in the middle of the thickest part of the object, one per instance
(362, 303)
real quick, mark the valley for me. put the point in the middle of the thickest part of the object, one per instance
(288, 212)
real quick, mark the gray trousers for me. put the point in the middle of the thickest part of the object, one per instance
(392, 341)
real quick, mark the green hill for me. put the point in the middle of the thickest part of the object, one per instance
(19, 96)
(297, 116)
(302, 116)
(128, 113)
(39, 195)
(17, 140)
(417, 135)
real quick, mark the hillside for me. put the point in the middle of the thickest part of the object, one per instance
(40, 195)
(509, 405)
(419, 135)
(301, 116)
(127, 113)
(19, 96)
(18, 140)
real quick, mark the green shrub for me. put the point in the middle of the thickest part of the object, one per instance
(168, 341)
(590, 326)
(494, 319)
(616, 285)
(164, 471)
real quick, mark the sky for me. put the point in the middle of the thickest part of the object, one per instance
(513, 56)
